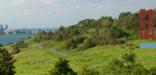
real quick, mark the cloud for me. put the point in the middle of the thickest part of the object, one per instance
(53, 13)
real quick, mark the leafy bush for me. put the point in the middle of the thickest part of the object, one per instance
(116, 32)
(65, 33)
(105, 22)
(15, 50)
(88, 43)
(152, 71)
(1, 45)
(6, 63)
(88, 71)
(73, 42)
(114, 41)
(16, 47)
(41, 36)
(62, 68)
(126, 66)
(44, 44)
(20, 44)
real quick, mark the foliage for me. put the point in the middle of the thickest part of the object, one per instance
(17, 46)
(126, 66)
(42, 36)
(88, 43)
(73, 42)
(105, 22)
(20, 44)
(62, 68)
(152, 71)
(44, 44)
(15, 50)
(87, 71)
(1, 45)
(86, 24)
(103, 31)
(60, 34)
(6, 63)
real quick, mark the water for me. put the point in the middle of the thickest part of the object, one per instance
(148, 45)
(12, 38)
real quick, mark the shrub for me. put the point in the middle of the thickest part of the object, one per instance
(41, 36)
(62, 68)
(44, 44)
(15, 50)
(16, 47)
(152, 71)
(129, 57)
(88, 71)
(21, 44)
(126, 66)
(116, 33)
(88, 43)
(6, 63)
(63, 34)
(1, 45)
(73, 42)
(115, 41)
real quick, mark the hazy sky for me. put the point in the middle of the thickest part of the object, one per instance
(53, 13)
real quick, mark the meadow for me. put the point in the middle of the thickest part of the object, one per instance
(39, 61)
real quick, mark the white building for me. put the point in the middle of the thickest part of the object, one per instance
(10, 31)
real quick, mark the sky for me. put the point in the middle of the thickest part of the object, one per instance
(55, 13)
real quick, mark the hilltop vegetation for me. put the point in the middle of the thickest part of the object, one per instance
(88, 33)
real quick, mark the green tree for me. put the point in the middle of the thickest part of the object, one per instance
(124, 21)
(41, 36)
(105, 22)
(88, 43)
(74, 42)
(62, 68)
(87, 23)
(6, 63)
(126, 66)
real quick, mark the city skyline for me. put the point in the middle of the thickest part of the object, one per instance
(54, 13)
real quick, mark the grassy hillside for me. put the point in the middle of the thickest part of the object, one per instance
(34, 61)
(38, 61)
(96, 44)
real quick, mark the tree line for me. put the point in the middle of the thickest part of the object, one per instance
(88, 33)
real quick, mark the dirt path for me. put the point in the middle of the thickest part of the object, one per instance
(57, 52)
